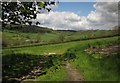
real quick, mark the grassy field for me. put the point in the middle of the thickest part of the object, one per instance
(105, 69)
(56, 48)
(17, 38)
(101, 69)
(54, 75)
(45, 59)
(91, 68)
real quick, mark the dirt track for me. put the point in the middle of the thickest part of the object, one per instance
(72, 73)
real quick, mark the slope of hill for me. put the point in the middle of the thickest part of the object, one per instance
(25, 35)
(27, 28)
(89, 66)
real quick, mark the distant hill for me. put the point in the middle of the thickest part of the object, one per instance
(28, 29)
(66, 30)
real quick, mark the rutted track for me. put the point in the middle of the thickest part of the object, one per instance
(72, 73)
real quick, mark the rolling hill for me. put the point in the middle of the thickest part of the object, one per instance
(17, 35)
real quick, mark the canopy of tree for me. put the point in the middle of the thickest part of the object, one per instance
(22, 12)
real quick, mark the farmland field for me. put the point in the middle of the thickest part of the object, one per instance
(57, 48)
(75, 54)
(59, 41)
(14, 38)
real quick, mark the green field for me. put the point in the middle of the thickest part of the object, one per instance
(46, 42)
(21, 37)
(91, 68)
(41, 54)
(57, 48)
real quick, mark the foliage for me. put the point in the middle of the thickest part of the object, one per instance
(22, 12)
(61, 38)
(53, 74)
(18, 65)
(70, 54)
(27, 29)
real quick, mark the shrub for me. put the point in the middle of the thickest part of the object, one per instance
(69, 55)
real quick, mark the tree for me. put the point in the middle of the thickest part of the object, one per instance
(61, 37)
(116, 29)
(22, 12)
(38, 38)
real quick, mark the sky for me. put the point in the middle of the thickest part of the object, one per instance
(80, 8)
(80, 16)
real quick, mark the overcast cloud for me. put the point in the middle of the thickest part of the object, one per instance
(105, 16)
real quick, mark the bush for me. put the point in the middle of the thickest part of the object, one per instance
(5, 42)
(69, 55)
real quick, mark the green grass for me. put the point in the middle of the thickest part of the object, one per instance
(13, 35)
(16, 38)
(90, 34)
(60, 48)
(18, 65)
(91, 68)
(106, 69)
(94, 69)
(53, 75)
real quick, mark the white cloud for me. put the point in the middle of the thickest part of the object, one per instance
(60, 20)
(104, 17)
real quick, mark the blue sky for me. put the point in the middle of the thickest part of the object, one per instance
(80, 16)
(80, 8)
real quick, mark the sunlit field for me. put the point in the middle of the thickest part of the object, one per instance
(57, 41)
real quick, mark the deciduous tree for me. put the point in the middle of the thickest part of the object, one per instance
(22, 12)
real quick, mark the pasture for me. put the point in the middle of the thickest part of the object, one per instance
(103, 69)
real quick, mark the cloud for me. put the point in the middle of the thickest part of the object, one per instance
(60, 20)
(105, 16)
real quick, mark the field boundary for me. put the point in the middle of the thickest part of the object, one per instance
(37, 44)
